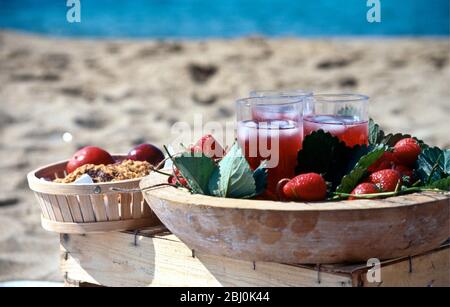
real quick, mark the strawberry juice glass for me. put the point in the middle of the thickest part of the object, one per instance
(270, 128)
(343, 115)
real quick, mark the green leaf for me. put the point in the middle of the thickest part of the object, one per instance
(233, 178)
(260, 176)
(197, 170)
(351, 180)
(325, 154)
(433, 164)
(441, 184)
(392, 139)
(446, 164)
(376, 135)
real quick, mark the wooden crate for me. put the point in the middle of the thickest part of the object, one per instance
(154, 257)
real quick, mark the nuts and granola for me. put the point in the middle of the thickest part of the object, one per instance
(124, 170)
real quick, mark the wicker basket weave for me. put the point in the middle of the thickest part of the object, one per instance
(88, 208)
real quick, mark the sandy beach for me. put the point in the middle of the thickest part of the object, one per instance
(115, 94)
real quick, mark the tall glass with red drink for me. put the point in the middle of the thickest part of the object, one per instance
(343, 115)
(270, 128)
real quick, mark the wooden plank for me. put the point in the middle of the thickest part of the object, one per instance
(114, 260)
(427, 270)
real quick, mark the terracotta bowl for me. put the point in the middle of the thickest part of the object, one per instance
(321, 232)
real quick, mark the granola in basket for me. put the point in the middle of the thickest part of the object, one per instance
(124, 170)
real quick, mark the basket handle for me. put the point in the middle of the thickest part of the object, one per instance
(121, 190)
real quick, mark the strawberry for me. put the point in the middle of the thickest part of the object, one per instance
(208, 146)
(386, 179)
(177, 179)
(405, 171)
(406, 151)
(386, 161)
(306, 187)
(364, 188)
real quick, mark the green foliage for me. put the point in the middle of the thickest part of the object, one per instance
(376, 135)
(441, 184)
(233, 178)
(433, 164)
(197, 170)
(325, 154)
(351, 180)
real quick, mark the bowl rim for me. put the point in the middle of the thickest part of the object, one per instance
(49, 187)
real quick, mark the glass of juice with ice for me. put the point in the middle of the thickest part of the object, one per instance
(270, 128)
(343, 115)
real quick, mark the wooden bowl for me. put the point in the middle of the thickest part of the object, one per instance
(309, 233)
(88, 208)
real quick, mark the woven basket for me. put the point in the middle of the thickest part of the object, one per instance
(88, 208)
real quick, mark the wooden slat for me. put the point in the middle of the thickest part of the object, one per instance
(125, 206)
(86, 209)
(48, 205)
(113, 260)
(64, 206)
(137, 205)
(40, 199)
(75, 209)
(56, 209)
(112, 208)
(98, 204)
(98, 227)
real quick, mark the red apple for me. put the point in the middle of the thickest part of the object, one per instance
(89, 155)
(146, 152)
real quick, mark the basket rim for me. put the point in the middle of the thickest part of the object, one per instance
(181, 196)
(49, 187)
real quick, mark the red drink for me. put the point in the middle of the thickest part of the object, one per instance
(344, 127)
(277, 141)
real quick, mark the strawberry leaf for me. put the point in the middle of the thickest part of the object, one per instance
(433, 164)
(233, 178)
(351, 180)
(392, 139)
(376, 135)
(197, 170)
(325, 154)
(260, 176)
(441, 184)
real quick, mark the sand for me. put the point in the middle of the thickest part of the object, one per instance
(118, 93)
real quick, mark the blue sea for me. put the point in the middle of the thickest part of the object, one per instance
(226, 18)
